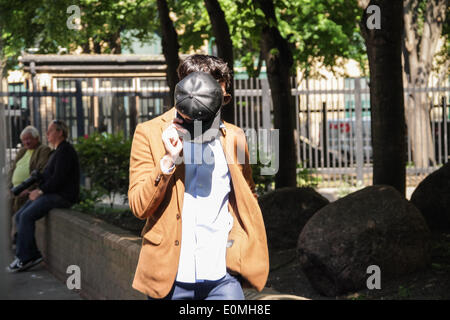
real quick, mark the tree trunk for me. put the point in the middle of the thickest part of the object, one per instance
(4, 208)
(86, 43)
(170, 46)
(224, 48)
(118, 115)
(418, 53)
(384, 49)
(115, 43)
(1, 59)
(279, 62)
(97, 47)
(86, 48)
(2, 65)
(419, 129)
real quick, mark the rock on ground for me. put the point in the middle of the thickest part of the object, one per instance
(286, 211)
(373, 226)
(432, 198)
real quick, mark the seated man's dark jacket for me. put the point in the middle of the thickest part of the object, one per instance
(62, 173)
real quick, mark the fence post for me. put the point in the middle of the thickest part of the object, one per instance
(133, 114)
(4, 221)
(324, 135)
(266, 103)
(36, 100)
(444, 122)
(358, 133)
(79, 107)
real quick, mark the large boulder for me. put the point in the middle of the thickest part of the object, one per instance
(286, 211)
(432, 198)
(373, 226)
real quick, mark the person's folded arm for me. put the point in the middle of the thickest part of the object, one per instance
(148, 182)
(63, 165)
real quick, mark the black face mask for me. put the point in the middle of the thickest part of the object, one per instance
(205, 126)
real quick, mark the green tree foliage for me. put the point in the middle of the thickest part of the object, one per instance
(318, 30)
(42, 24)
(16, 34)
(443, 56)
(192, 23)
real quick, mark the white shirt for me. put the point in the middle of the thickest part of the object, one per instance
(206, 220)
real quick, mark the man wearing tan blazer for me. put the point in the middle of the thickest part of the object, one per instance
(199, 242)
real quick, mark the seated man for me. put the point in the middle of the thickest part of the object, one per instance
(32, 156)
(59, 188)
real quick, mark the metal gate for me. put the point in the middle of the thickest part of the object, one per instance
(333, 125)
(85, 104)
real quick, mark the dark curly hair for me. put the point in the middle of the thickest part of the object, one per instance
(204, 63)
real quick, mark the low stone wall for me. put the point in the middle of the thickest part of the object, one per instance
(106, 255)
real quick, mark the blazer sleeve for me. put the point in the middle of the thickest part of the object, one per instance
(247, 172)
(148, 183)
(42, 158)
(242, 144)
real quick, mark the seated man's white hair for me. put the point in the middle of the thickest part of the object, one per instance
(30, 130)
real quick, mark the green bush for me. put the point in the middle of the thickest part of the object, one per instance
(88, 199)
(305, 177)
(105, 159)
(264, 183)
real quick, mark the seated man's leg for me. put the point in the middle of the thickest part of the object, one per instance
(16, 204)
(18, 214)
(26, 217)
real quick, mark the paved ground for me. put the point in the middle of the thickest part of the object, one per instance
(39, 284)
(34, 284)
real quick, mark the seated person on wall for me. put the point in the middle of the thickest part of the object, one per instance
(32, 156)
(58, 188)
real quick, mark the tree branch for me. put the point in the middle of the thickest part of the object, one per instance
(432, 29)
(169, 41)
(410, 23)
(410, 39)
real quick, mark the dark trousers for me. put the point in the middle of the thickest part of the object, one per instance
(26, 217)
